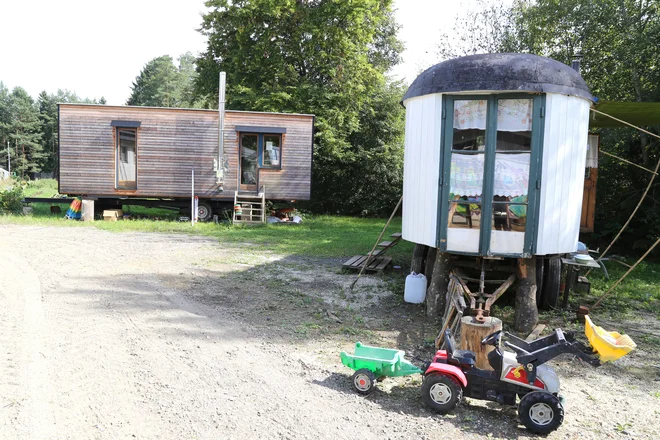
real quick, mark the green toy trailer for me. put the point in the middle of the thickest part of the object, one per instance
(370, 363)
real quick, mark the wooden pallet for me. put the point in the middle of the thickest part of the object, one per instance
(377, 261)
(253, 207)
(375, 264)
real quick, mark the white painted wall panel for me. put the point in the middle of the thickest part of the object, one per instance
(564, 154)
(421, 168)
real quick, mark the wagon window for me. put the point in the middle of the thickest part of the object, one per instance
(511, 176)
(467, 164)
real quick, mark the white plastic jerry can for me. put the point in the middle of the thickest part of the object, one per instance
(415, 289)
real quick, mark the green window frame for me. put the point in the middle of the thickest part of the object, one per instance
(534, 182)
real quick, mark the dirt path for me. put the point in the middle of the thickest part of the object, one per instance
(115, 336)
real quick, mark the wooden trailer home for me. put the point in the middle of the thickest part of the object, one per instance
(495, 151)
(119, 154)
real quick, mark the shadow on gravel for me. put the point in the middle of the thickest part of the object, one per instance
(291, 298)
(492, 419)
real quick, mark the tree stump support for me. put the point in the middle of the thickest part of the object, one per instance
(527, 315)
(472, 332)
(436, 293)
(419, 255)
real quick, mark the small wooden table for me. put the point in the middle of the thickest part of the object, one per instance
(572, 272)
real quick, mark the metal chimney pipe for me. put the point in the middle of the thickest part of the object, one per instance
(221, 131)
(577, 59)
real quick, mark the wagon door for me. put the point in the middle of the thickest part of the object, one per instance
(491, 146)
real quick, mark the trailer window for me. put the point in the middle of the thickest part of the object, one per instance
(271, 153)
(126, 157)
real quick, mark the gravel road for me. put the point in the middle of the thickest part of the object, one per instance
(98, 340)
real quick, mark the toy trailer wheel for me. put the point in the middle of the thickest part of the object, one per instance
(364, 381)
(541, 412)
(441, 392)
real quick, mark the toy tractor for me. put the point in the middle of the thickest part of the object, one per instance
(520, 374)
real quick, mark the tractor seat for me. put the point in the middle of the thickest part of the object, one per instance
(460, 357)
(464, 357)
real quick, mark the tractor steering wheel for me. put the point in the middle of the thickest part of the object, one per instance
(492, 339)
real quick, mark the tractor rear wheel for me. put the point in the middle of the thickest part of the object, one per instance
(441, 392)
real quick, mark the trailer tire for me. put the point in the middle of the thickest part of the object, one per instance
(551, 282)
(441, 392)
(364, 381)
(204, 212)
(541, 412)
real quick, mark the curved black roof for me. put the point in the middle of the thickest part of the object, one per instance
(500, 71)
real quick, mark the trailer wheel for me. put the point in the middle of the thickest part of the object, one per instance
(364, 381)
(441, 393)
(551, 282)
(541, 412)
(204, 212)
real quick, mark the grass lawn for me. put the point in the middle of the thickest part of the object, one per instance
(320, 236)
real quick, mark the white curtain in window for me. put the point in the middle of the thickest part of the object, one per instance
(470, 114)
(592, 152)
(511, 175)
(466, 175)
(512, 114)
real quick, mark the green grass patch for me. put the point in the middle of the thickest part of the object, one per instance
(319, 236)
(639, 291)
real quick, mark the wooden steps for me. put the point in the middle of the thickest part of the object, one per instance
(377, 262)
(252, 207)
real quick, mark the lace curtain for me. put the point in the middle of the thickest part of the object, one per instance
(511, 174)
(512, 114)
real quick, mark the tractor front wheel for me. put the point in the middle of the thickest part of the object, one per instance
(364, 381)
(541, 412)
(441, 392)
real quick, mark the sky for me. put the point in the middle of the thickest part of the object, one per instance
(97, 48)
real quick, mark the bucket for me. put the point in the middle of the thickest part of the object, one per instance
(415, 289)
(238, 209)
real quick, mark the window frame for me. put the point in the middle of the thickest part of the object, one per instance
(533, 193)
(261, 146)
(118, 130)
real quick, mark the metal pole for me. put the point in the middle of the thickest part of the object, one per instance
(192, 201)
(221, 130)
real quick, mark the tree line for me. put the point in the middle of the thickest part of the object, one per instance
(331, 59)
(28, 129)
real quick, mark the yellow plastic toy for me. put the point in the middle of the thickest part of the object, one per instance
(609, 345)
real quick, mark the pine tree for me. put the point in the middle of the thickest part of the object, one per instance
(24, 130)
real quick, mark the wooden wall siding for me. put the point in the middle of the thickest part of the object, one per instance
(421, 169)
(294, 180)
(564, 155)
(172, 142)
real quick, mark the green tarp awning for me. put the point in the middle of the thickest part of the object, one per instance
(636, 113)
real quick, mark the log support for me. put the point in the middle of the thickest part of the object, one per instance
(436, 293)
(526, 316)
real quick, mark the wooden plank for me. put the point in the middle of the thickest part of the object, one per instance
(535, 333)
(351, 260)
(396, 235)
(386, 243)
(385, 261)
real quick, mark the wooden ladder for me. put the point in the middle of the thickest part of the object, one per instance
(252, 207)
(377, 262)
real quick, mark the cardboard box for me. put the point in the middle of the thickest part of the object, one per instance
(113, 214)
